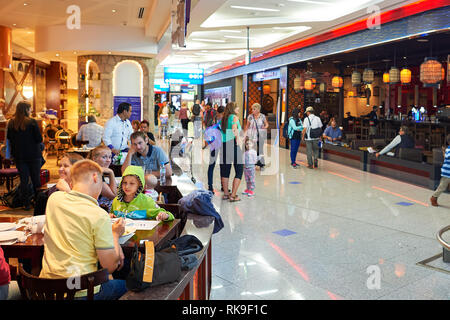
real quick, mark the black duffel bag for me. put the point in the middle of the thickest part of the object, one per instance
(153, 268)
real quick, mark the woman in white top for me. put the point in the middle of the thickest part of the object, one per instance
(256, 130)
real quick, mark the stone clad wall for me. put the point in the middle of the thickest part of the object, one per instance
(106, 64)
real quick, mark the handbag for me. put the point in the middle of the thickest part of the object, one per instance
(314, 133)
(153, 268)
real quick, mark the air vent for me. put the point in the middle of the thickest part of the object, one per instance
(141, 13)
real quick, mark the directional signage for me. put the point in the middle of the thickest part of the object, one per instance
(183, 75)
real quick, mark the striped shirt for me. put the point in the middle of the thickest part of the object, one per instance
(445, 171)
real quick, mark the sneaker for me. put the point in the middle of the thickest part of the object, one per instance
(245, 192)
(294, 165)
(250, 193)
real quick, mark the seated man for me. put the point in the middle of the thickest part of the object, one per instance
(144, 126)
(402, 140)
(332, 132)
(143, 154)
(91, 132)
(79, 234)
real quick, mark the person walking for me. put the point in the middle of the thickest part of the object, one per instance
(213, 139)
(312, 131)
(256, 129)
(183, 117)
(445, 175)
(295, 135)
(231, 151)
(26, 149)
(197, 114)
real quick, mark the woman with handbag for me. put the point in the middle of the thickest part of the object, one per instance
(255, 129)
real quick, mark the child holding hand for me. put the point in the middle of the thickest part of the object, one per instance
(250, 158)
(132, 203)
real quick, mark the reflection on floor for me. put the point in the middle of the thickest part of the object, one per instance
(329, 233)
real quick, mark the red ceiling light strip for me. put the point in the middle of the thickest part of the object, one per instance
(386, 17)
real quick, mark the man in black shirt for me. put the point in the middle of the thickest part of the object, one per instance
(144, 128)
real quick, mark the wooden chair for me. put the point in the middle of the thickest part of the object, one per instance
(63, 143)
(50, 139)
(35, 288)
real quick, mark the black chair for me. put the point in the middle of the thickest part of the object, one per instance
(356, 144)
(35, 288)
(410, 154)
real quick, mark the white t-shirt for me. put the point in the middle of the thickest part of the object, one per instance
(313, 123)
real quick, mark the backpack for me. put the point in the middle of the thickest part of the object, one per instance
(286, 129)
(14, 198)
(196, 110)
(187, 245)
(163, 266)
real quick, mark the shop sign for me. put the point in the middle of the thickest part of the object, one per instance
(267, 75)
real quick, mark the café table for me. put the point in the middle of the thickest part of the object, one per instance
(33, 247)
(81, 151)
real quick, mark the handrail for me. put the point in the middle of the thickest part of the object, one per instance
(439, 237)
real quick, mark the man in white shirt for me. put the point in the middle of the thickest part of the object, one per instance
(91, 132)
(311, 134)
(118, 129)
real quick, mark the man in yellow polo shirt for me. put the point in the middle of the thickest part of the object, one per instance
(78, 233)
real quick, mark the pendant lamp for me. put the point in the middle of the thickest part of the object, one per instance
(394, 75)
(430, 72)
(405, 76)
(337, 82)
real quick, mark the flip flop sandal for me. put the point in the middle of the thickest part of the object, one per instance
(225, 197)
(235, 199)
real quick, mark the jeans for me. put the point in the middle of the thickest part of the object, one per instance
(197, 127)
(4, 292)
(212, 164)
(312, 150)
(29, 169)
(443, 185)
(111, 290)
(295, 144)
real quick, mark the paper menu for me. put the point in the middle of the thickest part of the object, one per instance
(139, 224)
(145, 224)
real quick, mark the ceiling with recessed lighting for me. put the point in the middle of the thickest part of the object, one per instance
(218, 33)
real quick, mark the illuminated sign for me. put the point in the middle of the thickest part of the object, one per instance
(183, 75)
(267, 75)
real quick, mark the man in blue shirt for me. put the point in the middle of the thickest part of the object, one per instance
(143, 154)
(332, 133)
(445, 175)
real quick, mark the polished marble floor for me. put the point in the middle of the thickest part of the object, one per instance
(330, 233)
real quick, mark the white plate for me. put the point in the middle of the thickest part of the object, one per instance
(5, 226)
(11, 235)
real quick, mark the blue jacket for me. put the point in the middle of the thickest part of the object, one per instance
(199, 202)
